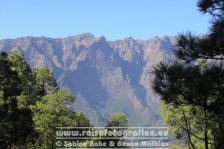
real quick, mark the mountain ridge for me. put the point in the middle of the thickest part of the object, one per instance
(87, 34)
(106, 76)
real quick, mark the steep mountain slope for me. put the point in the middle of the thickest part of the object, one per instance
(105, 76)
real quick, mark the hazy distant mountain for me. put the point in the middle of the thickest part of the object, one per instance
(106, 76)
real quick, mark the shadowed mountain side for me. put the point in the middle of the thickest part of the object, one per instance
(105, 76)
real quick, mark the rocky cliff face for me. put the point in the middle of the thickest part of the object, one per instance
(106, 76)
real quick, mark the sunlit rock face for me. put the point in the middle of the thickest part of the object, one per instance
(105, 76)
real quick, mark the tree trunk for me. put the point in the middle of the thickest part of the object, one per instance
(188, 131)
(43, 88)
(205, 129)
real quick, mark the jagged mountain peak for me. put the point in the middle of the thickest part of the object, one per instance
(81, 37)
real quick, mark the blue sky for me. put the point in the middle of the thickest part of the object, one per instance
(114, 19)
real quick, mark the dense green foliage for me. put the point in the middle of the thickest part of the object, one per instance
(45, 82)
(54, 110)
(118, 120)
(31, 105)
(16, 124)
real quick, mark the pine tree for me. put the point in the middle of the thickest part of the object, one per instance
(188, 83)
(16, 124)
